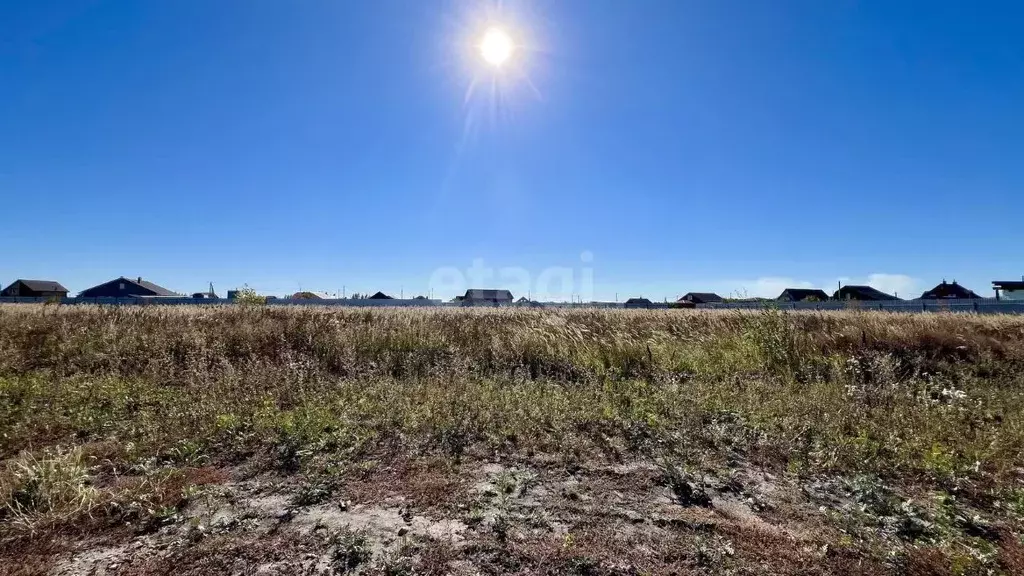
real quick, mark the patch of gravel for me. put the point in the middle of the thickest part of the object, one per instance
(96, 562)
(380, 522)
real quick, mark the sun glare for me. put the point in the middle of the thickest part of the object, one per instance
(496, 47)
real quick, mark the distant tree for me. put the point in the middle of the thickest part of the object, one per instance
(305, 296)
(248, 297)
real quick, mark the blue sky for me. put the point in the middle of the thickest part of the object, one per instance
(727, 145)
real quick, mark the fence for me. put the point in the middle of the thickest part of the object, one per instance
(981, 306)
(165, 301)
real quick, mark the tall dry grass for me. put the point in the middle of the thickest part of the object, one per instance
(933, 401)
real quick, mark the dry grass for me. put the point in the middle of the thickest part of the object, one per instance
(905, 418)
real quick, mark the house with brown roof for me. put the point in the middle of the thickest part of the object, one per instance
(35, 289)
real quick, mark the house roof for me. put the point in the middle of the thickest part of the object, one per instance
(949, 290)
(701, 297)
(381, 296)
(43, 285)
(1008, 284)
(638, 301)
(156, 288)
(851, 292)
(803, 294)
(487, 294)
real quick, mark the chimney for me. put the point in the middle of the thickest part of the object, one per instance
(140, 279)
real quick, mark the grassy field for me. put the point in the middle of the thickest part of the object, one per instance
(273, 440)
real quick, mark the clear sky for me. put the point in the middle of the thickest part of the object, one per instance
(725, 145)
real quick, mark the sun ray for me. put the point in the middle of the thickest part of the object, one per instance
(469, 90)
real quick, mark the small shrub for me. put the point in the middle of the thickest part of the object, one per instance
(350, 549)
(313, 493)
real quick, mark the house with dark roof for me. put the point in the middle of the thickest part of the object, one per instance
(802, 295)
(35, 289)
(381, 296)
(524, 301)
(701, 298)
(638, 303)
(949, 290)
(1009, 289)
(125, 287)
(486, 297)
(861, 294)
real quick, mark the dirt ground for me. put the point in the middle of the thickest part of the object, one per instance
(510, 517)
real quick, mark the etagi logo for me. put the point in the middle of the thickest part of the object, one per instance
(551, 284)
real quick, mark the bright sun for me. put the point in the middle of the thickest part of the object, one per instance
(496, 47)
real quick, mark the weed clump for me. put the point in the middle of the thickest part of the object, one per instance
(55, 486)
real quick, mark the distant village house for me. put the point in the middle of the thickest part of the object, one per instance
(125, 288)
(1009, 289)
(950, 290)
(35, 289)
(802, 295)
(638, 303)
(701, 298)
(526, 302)
(478, 297)
(862, 294)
